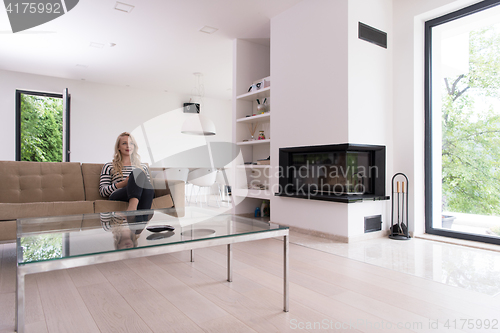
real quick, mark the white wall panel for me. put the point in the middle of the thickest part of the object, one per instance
(100, 112)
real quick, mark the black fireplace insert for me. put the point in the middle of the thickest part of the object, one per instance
(342, 172)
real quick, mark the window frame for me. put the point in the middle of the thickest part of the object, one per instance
(18, 119)
(429, 229)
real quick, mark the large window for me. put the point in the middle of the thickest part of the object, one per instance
(463, 123)
(42, 126)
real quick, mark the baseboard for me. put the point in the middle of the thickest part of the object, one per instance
(463, 242)
(337, 238)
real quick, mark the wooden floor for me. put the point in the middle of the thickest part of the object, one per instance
(168, 293)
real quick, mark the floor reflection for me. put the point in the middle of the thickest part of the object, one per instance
(454, 265)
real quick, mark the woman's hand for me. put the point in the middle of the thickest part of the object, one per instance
(123, 183)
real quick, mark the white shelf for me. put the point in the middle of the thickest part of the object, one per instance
(255, 119)
(252, 65)
(254, 142)
(253, 166)
(264, 92)
(257, 194)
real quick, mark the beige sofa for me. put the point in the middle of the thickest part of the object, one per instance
(39, 189)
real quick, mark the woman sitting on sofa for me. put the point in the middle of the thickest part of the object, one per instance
(125, 178)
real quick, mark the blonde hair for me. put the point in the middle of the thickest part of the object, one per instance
(135, 159)
(118, 236)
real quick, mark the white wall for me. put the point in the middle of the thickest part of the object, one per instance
(310, 98)
(309, 74)
(370, 98)
(330, 87)
(408, 122)
(370, 75)
(100, 112)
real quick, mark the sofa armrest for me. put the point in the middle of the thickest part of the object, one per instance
(174, 188)
(177, 190)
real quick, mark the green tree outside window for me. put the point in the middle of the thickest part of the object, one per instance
(41, 128)
(471, 130)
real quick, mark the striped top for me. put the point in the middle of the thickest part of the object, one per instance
(107, 183)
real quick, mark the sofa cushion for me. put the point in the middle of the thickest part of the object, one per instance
(91, 176)
(103, 206)
(12, 211)
(65, 223)
(23, 181)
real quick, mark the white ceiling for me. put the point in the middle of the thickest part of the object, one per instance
(158, 44)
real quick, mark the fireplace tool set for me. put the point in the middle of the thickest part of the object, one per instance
(399, 218)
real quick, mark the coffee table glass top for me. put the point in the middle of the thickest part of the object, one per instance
(55, 238)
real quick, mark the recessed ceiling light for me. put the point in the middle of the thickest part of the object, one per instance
(208, 30)
(123, 7)
(96, 45)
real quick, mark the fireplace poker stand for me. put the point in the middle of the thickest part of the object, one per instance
(399, 218)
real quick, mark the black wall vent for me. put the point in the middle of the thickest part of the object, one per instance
(372, 35)
(373, 223)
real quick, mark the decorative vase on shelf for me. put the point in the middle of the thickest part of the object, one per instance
(261, 108)
(252, 129)
(257, 212)
(261, 135)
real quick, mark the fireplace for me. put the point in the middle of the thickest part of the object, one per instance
(343, 172)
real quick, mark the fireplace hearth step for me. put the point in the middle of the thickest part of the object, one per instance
(334, 198)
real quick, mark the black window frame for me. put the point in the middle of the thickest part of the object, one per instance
(429, 229)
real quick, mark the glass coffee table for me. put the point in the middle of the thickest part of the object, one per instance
(53, 243)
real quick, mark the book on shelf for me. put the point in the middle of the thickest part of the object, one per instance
(264, 161)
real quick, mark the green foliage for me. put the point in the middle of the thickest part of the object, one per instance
(41, 128)
(42, 247)
(471, 130)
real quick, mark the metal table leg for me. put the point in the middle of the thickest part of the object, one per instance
(229, 263)
(285, 273)
(20, 302)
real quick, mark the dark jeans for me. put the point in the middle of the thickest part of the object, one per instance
(138, 187)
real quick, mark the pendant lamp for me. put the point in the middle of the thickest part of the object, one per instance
(196, 124)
